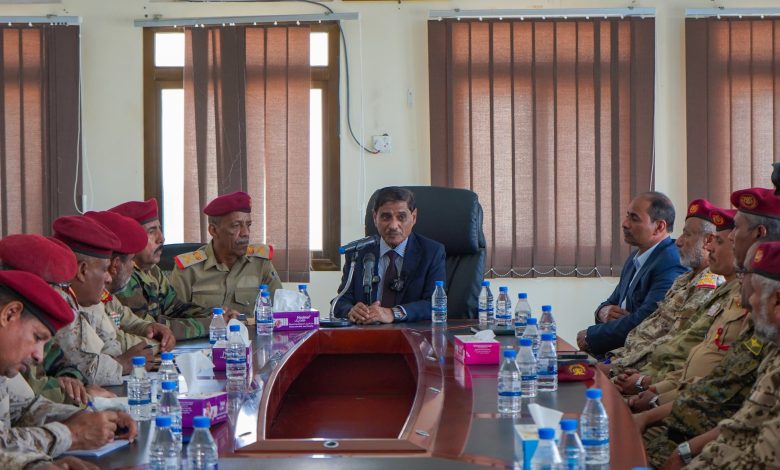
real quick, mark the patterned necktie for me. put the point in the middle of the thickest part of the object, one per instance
(391, 273)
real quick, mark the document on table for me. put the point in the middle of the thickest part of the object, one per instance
(101, 451)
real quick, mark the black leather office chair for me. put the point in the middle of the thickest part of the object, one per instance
(453, 217)
(172, 250)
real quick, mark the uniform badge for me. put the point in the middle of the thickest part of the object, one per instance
(754, 345)
(693, 209)
(713, 310)
(717, 340)
(106, 296)
(185, 260)
(708, 281)
(759, 255)
(116, 318)
(748, 201)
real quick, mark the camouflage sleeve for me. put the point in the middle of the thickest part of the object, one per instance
(128, 321)
(669, 382)
(82, 348)
(34, 430)
(27, 460)
(127, 341)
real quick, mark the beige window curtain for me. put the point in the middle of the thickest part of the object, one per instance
(39, 132)
(246, 93)
(550, 122)
(733, 104)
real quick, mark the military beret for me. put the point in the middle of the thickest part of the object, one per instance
(723, 218)
(758, 201)
(38, 298)
(86, 236)
(575, 372)
(131, 235)
(48, 258)
(140, 211)
(766, 261)
(700, 208)
(227, 203)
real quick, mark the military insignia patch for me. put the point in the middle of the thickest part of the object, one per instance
(717, 219)
(759, 255)
(713, 310)
(748, 201)
(753, 345)
(185, 260)
(105, 296)
(708, 281)
(260, 251)
(693, 209)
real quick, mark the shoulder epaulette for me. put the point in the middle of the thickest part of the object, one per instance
(106, 296)
(185, 260)
(260, 251)
(709, 281)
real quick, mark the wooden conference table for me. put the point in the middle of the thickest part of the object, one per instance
(385, 396)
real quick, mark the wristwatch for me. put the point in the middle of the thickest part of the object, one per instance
(684, 450)
(398, 314)
(638, 384)
(654, 401)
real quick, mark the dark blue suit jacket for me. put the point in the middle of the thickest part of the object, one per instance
(423, 265)
(650, 286)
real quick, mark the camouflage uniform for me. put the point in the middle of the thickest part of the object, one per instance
(83, 344)
(701, 405)
(200, 279)
(751, 437)
(29, 427)
(150, 296)
(673, 354)
(42, 378)
(687, 295)
(128, 328)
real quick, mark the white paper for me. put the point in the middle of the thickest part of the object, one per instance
(111, 404)
(288, 301)
(191, 365)
(485, 335)
(110, 447)
(545, 417)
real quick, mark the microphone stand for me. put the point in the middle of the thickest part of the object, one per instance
(333, 322)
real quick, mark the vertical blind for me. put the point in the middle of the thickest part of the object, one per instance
(550, 122)
(246, 93)
(733, 104)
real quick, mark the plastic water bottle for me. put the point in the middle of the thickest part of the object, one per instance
(526, 362)
(522, 312)
(302, 289)
(594, 428)
(164, 455)
(139, 391)
(546, 456)
(167, 371)
(202, 450)
(169, 406)
(217, 328)
(547, 364)
(571, 449)
(547, 322)
(509, 389)
(503, 308)
(439, 304)
(485, 305)
(264, 315)
(531, 332)
(235, 360)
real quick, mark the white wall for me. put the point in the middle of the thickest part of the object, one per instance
(388, 52)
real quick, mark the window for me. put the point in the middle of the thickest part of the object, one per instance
(164, 127)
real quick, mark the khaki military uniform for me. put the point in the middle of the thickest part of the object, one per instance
(687, 295)
(673, 354)
(200, 279)
(129, 330)
(751, 437)
(82, 343)
(151, 297)
(29, 427)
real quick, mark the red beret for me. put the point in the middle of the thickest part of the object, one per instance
(129, 232)
(141, 211)
(225, 204)
(575, 372)
(700, 208)
(86, 236)
(38, 298)
(758, 201)
(48, 258)
(766, 261)
(723, 218)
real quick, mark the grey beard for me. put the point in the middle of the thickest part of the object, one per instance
(693, 261)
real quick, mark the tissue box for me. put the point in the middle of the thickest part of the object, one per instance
(213, 405)
(303, 320)
(472, 350)
(219, 357)
(526, 441)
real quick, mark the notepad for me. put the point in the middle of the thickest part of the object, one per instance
(110, 447)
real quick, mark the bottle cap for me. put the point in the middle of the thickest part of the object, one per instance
(235, 328)
(217, 311)
(526, 342)
(569, 424)
(264, 294)
(531, 320)
(546, 308)
(503, 289)
(163, 421)
(485, 283)
(439, 283)
(510, 353)
(548, 337)
(522, 295)
(139, 361)
(169, 385)
(301, 286)
(201, 422)
(546, 433)
(263, 286)
(166, 356)
(593, 393)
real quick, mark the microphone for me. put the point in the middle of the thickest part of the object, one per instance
(368, 275)
(357, 245)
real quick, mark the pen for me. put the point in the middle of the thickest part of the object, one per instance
(91, 406)
(149, 346)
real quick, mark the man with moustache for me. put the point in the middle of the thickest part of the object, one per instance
(228, 270)
(686, 296)
(148, 293)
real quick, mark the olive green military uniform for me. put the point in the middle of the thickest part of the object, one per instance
(200, 279)
(151, 297)
(751, 437)
(687, 295)
(42, 378)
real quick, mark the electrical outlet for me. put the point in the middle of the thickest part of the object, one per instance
(382, 143)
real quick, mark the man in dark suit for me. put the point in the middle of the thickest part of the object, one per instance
(647, 274)
(407, 265)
